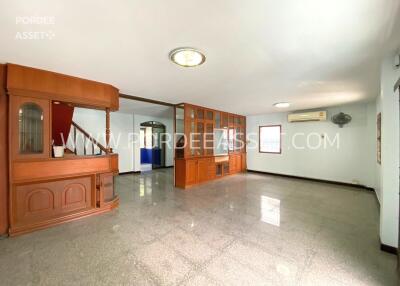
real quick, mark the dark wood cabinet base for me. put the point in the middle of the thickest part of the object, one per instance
(15, 231)
(194, 171)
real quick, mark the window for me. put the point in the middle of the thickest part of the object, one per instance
(270, 139)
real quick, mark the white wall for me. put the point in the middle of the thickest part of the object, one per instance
(169, 124)
(388, 103)
(94, 122)
(352, 162)
(123, 141)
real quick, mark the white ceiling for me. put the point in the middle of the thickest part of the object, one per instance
(313, 53)
(145, 108)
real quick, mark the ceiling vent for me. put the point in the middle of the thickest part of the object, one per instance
(307, 116)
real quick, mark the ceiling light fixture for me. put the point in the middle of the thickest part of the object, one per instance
(187, 57)
(282, 104)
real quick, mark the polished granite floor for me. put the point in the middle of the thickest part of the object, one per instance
(246, 229)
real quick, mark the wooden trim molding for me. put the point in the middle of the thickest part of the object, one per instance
(32, 82)
(53, 168)
(132, 97)
(3, 152)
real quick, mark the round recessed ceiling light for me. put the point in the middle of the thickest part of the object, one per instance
(187, 57)
(282, 104)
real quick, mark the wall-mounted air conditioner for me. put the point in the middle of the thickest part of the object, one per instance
(307, 116)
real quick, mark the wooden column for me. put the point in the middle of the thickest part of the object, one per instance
(108, 130)
(3, 152)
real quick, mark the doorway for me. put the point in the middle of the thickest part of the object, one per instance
(152, 145)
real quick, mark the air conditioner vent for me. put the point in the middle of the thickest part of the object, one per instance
(307, 116)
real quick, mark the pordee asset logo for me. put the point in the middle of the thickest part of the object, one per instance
(33, 27)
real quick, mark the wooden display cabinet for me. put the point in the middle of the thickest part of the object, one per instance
(43, 190)
(196, 161)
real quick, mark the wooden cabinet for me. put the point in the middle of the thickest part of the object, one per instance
(235, 163)
(191, 172)
(30, 138)
(186, 172)
(42, 190)
(44, 202)
(199, 163)
(106, 189)
(243, 162)
(206, 169)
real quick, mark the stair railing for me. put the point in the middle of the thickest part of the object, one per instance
(87, 137)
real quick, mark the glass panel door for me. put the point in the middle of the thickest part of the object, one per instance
(209, 115)
(200, 113)
(30, 129)
(199, 139)
(209, 139)
(224, 117)
(231, 139)
(237, 139)
(217, 120)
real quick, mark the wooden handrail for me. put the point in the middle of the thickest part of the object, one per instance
(87, 135)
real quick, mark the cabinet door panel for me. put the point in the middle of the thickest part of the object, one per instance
(232, 164)
(106, 187)
(39, 202)
(191, 172)
(243, 162)
(203, 170)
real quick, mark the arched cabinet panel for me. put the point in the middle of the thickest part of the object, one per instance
(39, 200)
(30, 132)
(76, 195)
(47, 201)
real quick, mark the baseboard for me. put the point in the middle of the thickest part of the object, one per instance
(389, 249)
(130, 172)
(313, 179)
(138, 172)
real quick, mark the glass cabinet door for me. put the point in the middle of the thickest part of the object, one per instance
(30, 129)
(30, 118)
(200, 113)
(191, 113)
(237, 139)
(209, 115)
(193, 142)
(231, 139)
(209, 139)
(224, 121)
(217, 120)
(199, 141)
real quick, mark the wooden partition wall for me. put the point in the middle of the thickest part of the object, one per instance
(3, 153)
(209, 144)
(42, 190)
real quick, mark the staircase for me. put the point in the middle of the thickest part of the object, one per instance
(68, 133)
(82, 143)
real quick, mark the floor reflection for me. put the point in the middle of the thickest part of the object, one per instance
(270, 210)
